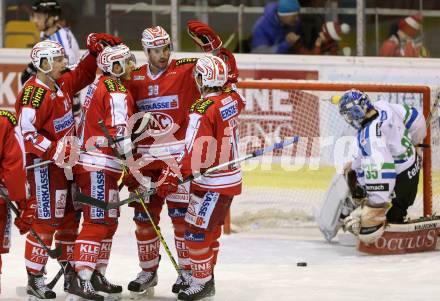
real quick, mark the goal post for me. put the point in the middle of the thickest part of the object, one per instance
(280, 109)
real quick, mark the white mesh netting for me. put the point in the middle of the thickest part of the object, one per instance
(287, 188)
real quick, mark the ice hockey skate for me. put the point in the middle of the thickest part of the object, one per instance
(37, 289)
(101, 284)
(198, 291)
(182, 282)
(82, 289)
(143, 285)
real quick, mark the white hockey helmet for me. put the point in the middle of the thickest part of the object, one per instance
(154, 37)
(46, 49)
(213, 71)
(115, 54)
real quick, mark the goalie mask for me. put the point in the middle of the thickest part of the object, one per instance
(353, 106)
(46, 50)
(110, 55)
(213, 72)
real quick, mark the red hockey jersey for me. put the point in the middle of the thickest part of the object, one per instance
(12, 160)
(212, 139)
(168, 96)
(45, 116)
(107, 99)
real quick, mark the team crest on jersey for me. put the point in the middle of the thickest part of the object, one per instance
(201, 106)
(113, 86)
(190, 60)
(26, 96)
(228, 111)
(10, 116)
(38, 97)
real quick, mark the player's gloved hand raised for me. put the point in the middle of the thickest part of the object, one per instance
(27, 211)
(168, 183)
(203, 35)
(96, 42)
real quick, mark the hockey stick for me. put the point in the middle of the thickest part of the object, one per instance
(137, 133)
(141, 199)
(259, 152)
(53, 253)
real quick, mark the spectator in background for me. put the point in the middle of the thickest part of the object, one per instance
(406, 40)
(328, 40)
(279, 30)
(46, 16)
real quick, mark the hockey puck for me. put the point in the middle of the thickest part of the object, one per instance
(301, 264)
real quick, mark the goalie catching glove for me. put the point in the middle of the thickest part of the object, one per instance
(366, 222)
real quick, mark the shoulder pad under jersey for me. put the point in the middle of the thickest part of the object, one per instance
(201, 106)
(190, 60)
(10, 116)
(114, 86)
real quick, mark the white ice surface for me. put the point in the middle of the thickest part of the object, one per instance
(261, 265)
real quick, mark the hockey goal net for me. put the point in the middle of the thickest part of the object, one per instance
(287, 188)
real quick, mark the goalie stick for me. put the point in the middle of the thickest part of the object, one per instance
(53, 253)
(136, 135)
(259, 152)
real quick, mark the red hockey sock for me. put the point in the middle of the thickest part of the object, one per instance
(88, 245)
(201, 266)
(148, 250)
(34, 254)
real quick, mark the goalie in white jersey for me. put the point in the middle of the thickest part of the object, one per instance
(387, 164)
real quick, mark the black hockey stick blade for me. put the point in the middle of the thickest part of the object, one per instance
(55, 279)
(85, 199)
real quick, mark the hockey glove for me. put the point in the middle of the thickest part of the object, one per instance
(204, 36)
(168, 183)
(27, 211)
(65, 152)
(96, 42)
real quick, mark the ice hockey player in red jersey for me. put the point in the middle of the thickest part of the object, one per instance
(98, 171)
(211, 139)
(165, 87)
(12, 182)
(44, 110)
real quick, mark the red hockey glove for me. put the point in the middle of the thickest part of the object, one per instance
(203, 35)
(229, 59)
(96, 42)
(168, 183)
(27, 210)
(64, 153)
